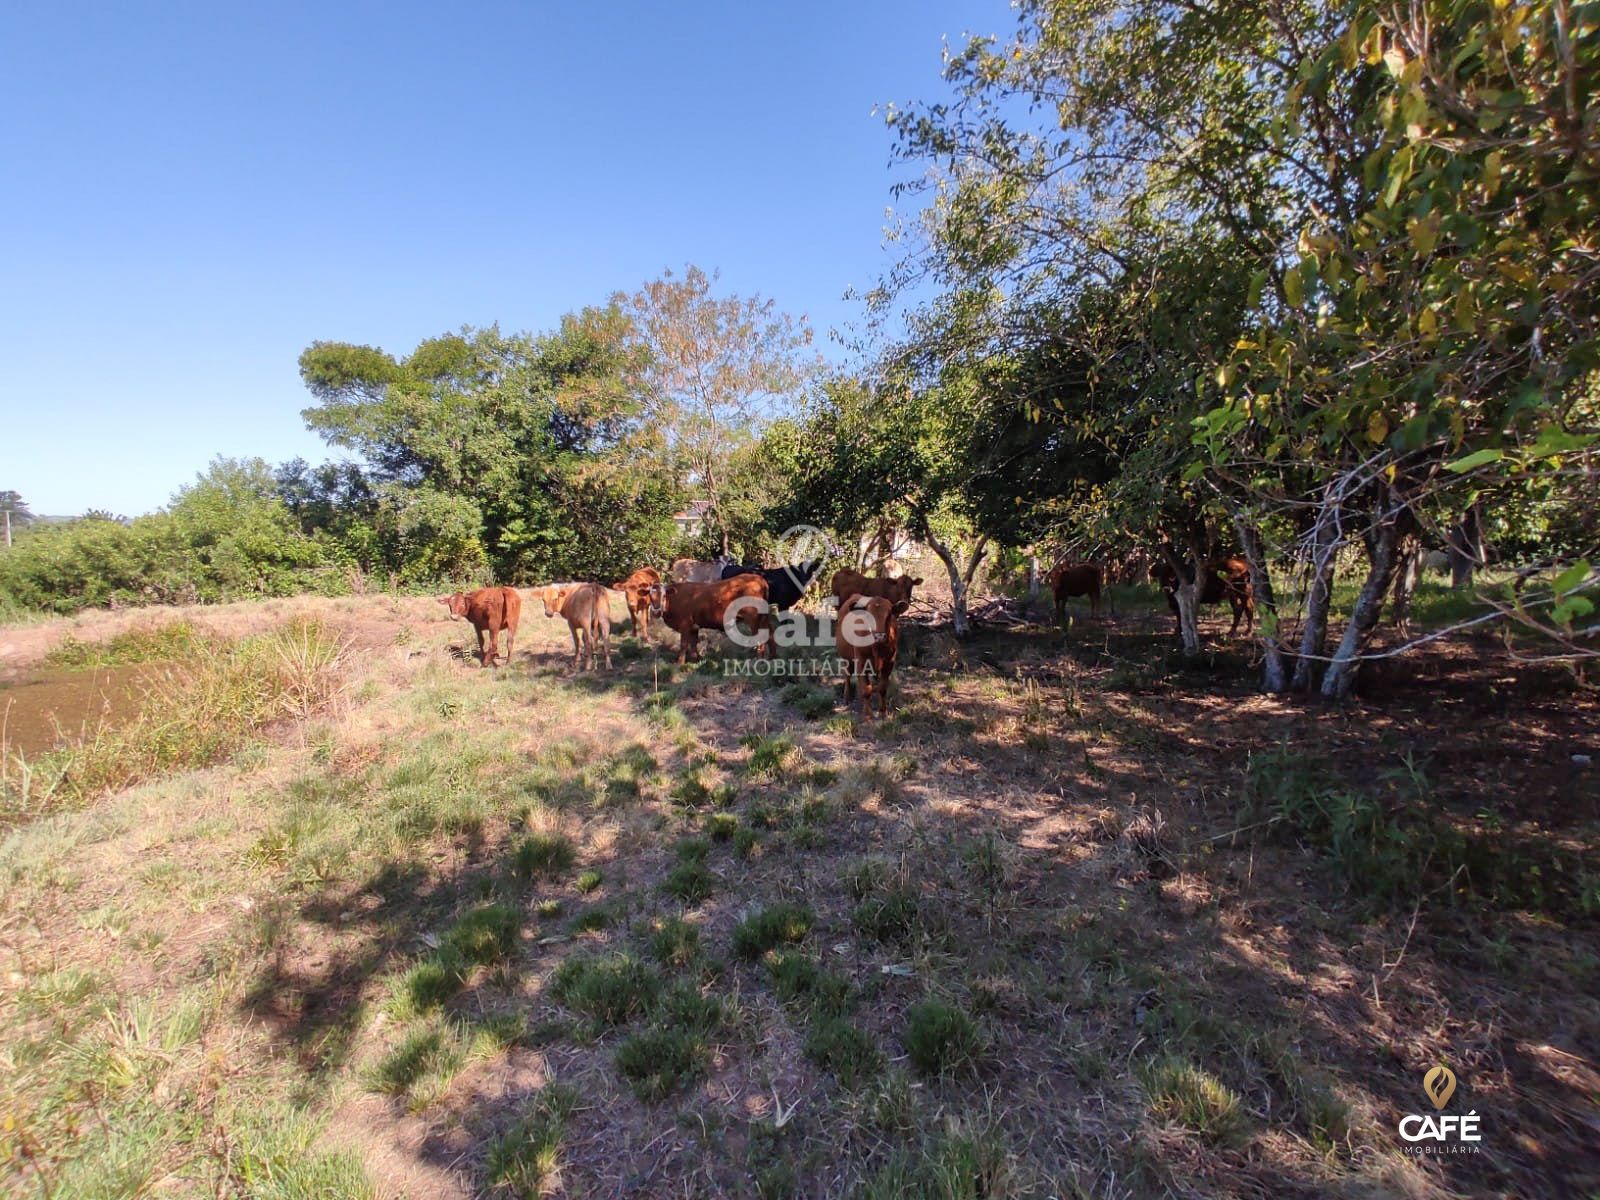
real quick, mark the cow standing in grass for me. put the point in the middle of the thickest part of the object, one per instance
(1075, 579)
(490, 609)
(868, 638)
(644, 595)
(691, 607)
(1224, 579)
(587, 608)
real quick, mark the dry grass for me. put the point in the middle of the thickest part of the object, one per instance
(656, 931)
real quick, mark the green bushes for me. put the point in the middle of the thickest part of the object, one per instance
(227, 536)
(156, 643)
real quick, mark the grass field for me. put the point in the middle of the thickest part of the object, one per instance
(1077, 920)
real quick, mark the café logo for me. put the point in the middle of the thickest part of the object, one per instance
(1440, 1132)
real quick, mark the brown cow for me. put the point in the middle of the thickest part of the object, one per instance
(847, 582)
(868, 638)
(1076, 579)
(1225, 579)
(643, 592)
(691, 607)
(587, 608)
(492, 609)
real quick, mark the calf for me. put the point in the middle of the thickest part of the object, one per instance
(868, 638)
(785, 585)
(1076, 579)
(587, 608)
(691, 607)
(847, 582)
(491, 609)
(1224, 579)
(643, 592)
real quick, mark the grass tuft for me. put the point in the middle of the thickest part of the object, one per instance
(659, 1062)
(609, 990)
(800, 982)
(525, 1161)
(544, 856)
(774, 926)
(942, 1039)
(690, 882)
(674, 943)
(1182, 1092)
(836, 1045)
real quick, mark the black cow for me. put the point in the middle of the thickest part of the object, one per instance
(785, 585)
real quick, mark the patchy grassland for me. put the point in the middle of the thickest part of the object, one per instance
(1073, 922)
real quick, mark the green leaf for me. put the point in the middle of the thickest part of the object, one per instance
(1555, 440)
(1293, 286)
(1571, 609)
(1571, 577)
(1476, 459)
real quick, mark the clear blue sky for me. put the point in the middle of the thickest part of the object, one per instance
(194, 192)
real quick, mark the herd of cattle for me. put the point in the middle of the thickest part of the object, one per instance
(699, 595)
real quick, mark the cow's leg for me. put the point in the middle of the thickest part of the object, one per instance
(511, 639)
(605, 638)
(478, 629)
(577, 644)
(491, 656)
(1094, 603)
(849, 683)
(883, 695)
(1061, 607)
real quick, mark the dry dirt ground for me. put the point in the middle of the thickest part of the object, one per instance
(1076, 920)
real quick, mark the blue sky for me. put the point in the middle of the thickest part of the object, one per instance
(197, 191)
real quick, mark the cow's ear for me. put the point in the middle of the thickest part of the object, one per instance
(845, 603)
(900, 606)
(916, 583)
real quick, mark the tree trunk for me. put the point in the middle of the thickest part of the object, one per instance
(1340, 679)
(1314, 633)
(1187, 576)
(1033, 580)
(1274, 671)
(8, 527)
(1408, 565)
(960, 580)
(1466, 549)
(1187, 596)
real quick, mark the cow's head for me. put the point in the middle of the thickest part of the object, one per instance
(871, 617)
(900, 593)
(552, 597)
(658, 599)
(456, 604)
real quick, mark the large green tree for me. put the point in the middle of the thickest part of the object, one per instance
(715, 370)
(1408, 188)
(516, 456)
